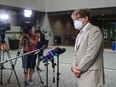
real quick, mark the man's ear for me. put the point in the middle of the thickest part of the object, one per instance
(86, 18)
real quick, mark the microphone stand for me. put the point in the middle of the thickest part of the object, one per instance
(53, 66)
(50, 56)
(58, 74)
(46, 64)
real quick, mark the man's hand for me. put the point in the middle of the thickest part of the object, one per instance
(76, 71)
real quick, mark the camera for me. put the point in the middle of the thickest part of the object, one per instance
(26, 26)
(4, 25)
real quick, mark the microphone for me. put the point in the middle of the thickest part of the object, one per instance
(55, 52)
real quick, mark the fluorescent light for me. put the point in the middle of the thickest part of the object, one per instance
(4, 16)
(27, 13)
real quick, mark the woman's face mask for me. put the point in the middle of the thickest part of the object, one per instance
(78, 24)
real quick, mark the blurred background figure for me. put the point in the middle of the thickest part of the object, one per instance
(40, 44)
(3, 47)
(28, 42)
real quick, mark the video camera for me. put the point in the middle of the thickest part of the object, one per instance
(26, 26)
(4, 25)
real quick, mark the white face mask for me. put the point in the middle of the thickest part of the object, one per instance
(78, 24)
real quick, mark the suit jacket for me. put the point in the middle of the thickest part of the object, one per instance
(88, 57)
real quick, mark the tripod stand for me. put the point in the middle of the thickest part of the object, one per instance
(39, 71)
(57, 70)
(11, 63)
(18, 53)
(53, 66)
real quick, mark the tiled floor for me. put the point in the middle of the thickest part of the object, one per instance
(67, 79)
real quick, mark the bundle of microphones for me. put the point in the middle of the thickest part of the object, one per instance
(55, 52)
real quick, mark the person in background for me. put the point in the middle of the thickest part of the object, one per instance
(3, 46)
(87, 63)
(40, 44)
(28, 42)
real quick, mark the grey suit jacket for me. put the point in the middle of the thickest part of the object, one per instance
(89, 57)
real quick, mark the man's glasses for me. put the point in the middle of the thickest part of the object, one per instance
(78, 18)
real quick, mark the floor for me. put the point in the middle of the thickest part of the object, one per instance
(66, 78)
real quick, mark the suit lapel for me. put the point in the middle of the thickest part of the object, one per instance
(76, 42)
(81, 38)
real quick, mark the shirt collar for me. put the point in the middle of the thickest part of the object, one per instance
(85, 27)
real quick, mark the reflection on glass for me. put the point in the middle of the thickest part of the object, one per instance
(110, 31)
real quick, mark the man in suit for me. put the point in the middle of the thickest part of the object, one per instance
(87, 63)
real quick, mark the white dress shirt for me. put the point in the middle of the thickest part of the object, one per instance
(81, 32)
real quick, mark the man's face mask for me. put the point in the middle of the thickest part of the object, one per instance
(78, 24)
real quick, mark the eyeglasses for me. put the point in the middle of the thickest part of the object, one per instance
(78, 18)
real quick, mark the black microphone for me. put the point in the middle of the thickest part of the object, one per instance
(55, 52)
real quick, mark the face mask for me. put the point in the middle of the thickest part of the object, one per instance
(78, 24)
